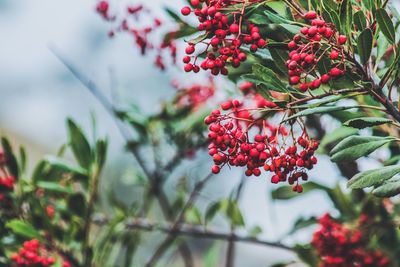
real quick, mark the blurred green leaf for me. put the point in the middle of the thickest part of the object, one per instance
(77, 204)
(64, 165)
(286, 192)
(337, 135)
(23, 228)
(54, 187)
(79, 145)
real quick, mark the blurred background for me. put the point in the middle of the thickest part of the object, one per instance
(38, 93)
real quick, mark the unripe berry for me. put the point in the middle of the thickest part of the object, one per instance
(186, 10)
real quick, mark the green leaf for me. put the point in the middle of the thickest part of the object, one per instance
(387, 189)
(269, 78)
(286, 192)
(302, 223)
(276, 18)
(54, 187)
(364, 45)
(346, 17)
(11, 160)
(232, 212)
(23, 229)
(64, 166)
(360, 20)
(280, 57)
(79, 144)
(354, 147)
(319, 110)
(211, 211)
(255, 231)
(373, 177)
(307, 254)
(101, 153)
(386, 25)
(212, 256)
(365, 122)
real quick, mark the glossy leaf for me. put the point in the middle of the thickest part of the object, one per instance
(64, 165)
(365, 122)
(364, 45)
(360, 20)
(386, 25)
(354, 147)
(337, 135)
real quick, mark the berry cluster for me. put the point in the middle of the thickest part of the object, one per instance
(339, 246)
(309, 47)
(128, 23)
(226, 30)
(34, 254)
(233, 144)
(193, 96)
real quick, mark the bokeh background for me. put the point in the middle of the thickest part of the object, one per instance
(38, 94)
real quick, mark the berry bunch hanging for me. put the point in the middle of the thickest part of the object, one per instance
(129, 23)
(226, 31)
(340, 246)
(311, 46)
(240, 140)
(7, 182)
(34, 254)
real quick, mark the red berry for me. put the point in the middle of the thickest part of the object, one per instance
(304, 87)
(275, 179)
(294, 80)
(334, 55)
(342, 39)
(215, 169)
(186, 10)
(292, 45)
(325, 78)
(311, 15)
(190, 49)
(335, 72)
(226, 105)
(234, 28)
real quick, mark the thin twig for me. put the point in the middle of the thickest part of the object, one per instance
(197, 231)
(156, 190)
(171, 237)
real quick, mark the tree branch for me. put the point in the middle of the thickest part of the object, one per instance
(196, 231)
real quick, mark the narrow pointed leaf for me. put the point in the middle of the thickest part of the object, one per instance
(388, 189)
(365, 122)
(354, 147)
(386, 25)
(79, 144)
(373, 177)
(364, 45)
